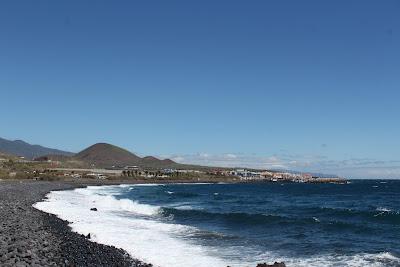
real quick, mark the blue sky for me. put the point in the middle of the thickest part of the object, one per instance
(305, 85)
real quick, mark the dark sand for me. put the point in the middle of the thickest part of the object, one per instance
(29, 237)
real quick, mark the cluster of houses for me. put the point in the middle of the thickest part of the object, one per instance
(276, 176)
(127, 171)
(273, 176)
(235, 174)
(136, 171)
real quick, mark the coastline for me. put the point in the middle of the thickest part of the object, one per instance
(29, 237)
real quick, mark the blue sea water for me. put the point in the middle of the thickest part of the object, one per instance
(356, 224)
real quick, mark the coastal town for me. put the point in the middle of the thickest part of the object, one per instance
(240, 175)
(41, 168)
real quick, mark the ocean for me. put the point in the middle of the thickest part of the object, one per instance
(176, 225)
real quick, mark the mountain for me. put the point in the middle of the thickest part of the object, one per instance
(23, 149)
(103, 155)
(106, 155)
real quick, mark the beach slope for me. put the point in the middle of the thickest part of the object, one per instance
(29, 237)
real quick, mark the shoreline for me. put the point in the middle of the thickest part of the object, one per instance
(30, 237)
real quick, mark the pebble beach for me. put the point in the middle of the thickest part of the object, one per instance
(29, 237)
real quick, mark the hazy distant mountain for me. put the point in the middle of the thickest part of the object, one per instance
(23, 149)
(104, 155)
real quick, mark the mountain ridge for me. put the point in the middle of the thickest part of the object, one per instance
(21, 148)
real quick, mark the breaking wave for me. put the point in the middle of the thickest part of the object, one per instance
(162, 235)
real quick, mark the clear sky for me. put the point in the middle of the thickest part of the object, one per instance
(303, 85)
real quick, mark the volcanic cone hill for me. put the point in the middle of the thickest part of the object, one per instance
(103, 155)
(106, 155)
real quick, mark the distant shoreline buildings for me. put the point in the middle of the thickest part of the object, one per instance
(242, 175)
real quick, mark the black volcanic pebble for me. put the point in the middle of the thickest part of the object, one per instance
(29, 237)
(276, 264)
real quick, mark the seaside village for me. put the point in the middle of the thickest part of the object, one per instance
(51, 169)
(235, 174)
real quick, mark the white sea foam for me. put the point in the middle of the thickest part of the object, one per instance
(137, 228)
(125, 185)
(184, 207)
(149, 240)
(383, 209)
(358, 260)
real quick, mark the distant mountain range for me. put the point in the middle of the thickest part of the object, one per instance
(22, 149)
